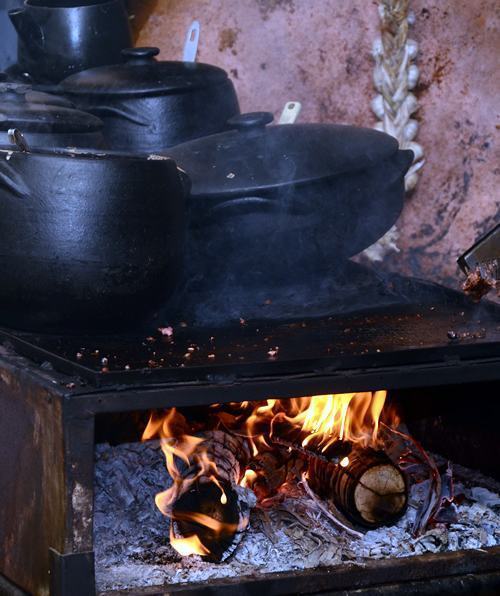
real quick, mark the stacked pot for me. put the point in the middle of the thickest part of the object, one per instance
(100, 189)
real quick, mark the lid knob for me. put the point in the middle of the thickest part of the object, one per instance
(250, 121)
(142, 55)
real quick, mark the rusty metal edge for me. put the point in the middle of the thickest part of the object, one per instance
(340, 577)
(237, 390)
(8, 588)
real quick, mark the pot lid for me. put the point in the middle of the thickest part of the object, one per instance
(141, 74)
(254, 156)
(28, 110)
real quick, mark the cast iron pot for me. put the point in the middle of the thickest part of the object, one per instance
(273, 208)
(149, 106)
(87, 241)
(47, 121)
(56, 41)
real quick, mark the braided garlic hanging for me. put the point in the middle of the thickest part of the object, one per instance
(394, 76)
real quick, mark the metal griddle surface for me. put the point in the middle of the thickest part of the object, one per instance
(390, 336)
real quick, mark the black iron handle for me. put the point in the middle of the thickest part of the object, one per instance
(144, 55)
(244, 205)
(125, 112)
(250, 121)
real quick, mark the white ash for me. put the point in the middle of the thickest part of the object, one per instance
(131, 536)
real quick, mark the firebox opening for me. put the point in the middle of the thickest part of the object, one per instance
(230, 490)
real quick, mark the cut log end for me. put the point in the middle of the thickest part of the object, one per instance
(224, 519)
(380, 496)
(211, 506)
(370, 491)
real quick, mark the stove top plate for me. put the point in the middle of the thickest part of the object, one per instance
(390, 336)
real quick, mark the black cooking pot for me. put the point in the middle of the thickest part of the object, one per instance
(148, 106)
(274, 207)
(87, 241)
(57, 40)
(47, 121)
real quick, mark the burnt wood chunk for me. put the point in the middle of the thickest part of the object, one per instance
(370, 490)
(209, 502)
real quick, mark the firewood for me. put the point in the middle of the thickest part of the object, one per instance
(208, 501)
(367, 487)
(419, 465)
(271, 470)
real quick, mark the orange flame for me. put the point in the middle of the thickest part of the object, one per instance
(322, 419)
(342, 417)
(186, 448)
(188, 546)
(319, 422)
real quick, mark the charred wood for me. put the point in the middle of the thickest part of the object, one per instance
(209, 502)
(270, 471)
(367, 487)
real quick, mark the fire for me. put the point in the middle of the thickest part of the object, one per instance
(258, 418)
(249, 477)
(319, 423)
(188, 546)
(347, 416)
(322, 419)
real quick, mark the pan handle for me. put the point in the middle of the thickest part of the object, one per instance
(123, 112)
(244, 205)
(253, 204)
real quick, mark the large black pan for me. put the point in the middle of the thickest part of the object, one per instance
(275, 207)
(87, 241)
(263, 196)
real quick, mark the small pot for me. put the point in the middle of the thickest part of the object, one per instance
(149, 106)
(58, 40)
(273, 208)
(88, 241)
(47, 121)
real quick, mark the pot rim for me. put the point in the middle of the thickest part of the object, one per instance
(93, 4)
(83, 154)
(144, 77)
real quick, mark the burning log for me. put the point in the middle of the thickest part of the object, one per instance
(366, 486)
(335, 435)
(272, 471)
(208, 509)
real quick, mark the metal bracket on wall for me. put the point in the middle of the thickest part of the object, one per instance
(72, 574)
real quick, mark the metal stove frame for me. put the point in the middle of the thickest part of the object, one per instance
(48, 505)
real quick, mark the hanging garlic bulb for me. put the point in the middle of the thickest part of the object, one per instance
(394, 77)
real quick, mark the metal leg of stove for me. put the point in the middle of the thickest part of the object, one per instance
(72, 575)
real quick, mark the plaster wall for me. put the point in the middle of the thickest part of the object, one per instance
(319, 52)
